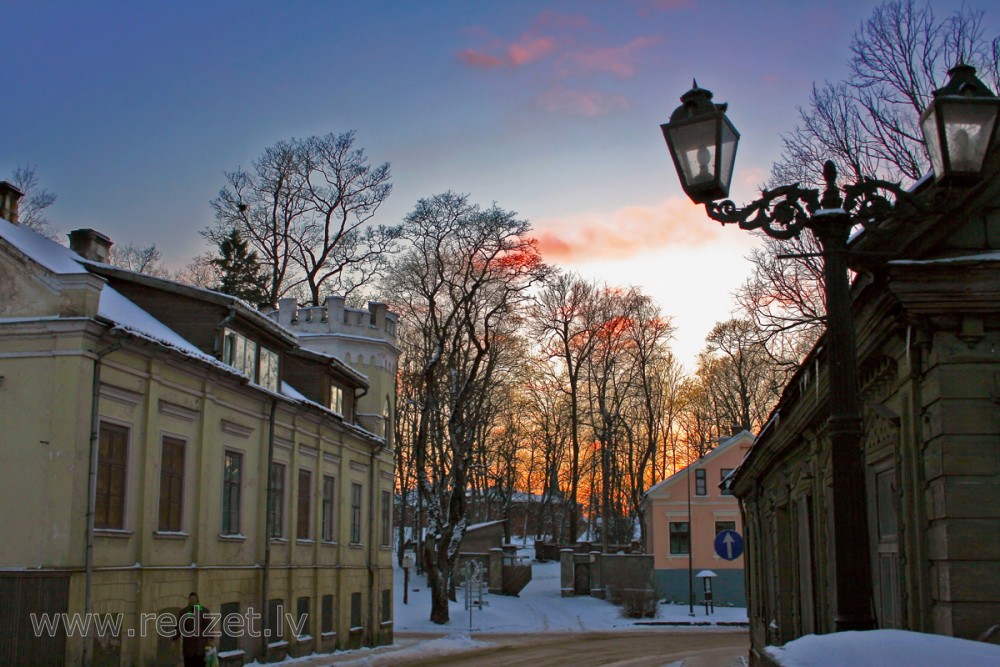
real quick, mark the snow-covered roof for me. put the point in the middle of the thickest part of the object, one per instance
(53, 256)
(981, 257)
(127, 317)
(202, 293)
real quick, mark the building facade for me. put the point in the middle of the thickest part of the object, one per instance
(683, 543)
(161, 439)
(926, 307)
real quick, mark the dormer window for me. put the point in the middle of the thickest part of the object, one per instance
(241, 353)
(337, 399)
(268, 369)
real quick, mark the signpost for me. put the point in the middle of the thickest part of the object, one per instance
(729, 544)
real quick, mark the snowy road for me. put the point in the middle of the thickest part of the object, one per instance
(719, 648)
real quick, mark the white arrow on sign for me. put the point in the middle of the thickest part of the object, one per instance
(728, 541)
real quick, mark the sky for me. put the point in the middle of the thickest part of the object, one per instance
(132, 112)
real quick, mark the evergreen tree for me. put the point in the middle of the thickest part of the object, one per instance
(240, 272)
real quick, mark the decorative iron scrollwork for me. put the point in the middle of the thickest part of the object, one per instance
(784, 212)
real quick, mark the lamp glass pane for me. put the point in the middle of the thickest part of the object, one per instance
(930, 131)
(727, 156)
(694, 148)
(968, 128)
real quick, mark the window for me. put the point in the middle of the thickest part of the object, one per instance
(268, 369)
(171, 484)
(680, 538)
(700, 482)
(329, 508)
(228, 640)
(356, 513)
(276, 500)
(386, 519)
(305, 495)
(355, 610)
(724, 525)
(112, 460)
(326, 620)
(386, 605)
(302, 611)
(726, 489)
(387, 422)
(272, 624)
(337, 399)
(231, 481)
(240, 352)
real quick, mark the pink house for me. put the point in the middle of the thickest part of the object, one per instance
(681, 542)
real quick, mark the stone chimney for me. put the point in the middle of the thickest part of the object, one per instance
(90, 244)
(10, 196)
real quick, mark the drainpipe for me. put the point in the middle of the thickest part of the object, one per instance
(92, 488)
(265, 583)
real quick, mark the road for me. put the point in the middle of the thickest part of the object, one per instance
(654, 648)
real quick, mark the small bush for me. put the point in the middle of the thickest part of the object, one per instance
(633, 593)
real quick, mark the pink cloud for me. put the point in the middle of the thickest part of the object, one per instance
(581, 102)
(477, 59)
(528, 49)
(626, 232)
(619, 60)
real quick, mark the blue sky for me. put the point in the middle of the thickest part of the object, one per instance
(132, 111)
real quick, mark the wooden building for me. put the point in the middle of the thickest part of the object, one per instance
(926, 308)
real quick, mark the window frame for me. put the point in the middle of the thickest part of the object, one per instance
(225, 529)
(674, 547)
(337, 399)
(357, 505)
(700, 482)
(276, 500)
(302, 605)
(166, 477)
(727, 522)
(723, 474)
(385, 534)
(303, 505)
(329, 518)
(108, 467)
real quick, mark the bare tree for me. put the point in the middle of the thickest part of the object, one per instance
(306, 208)
(140, 259)
(566, 319)
(869, 124)
(36, 199)
(462, 282)
(200, 272)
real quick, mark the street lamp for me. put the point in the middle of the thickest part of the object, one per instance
(702, 143)
(959, 125)
(784, 213)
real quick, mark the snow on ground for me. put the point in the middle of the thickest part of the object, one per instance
(876, 648)
(539, 608)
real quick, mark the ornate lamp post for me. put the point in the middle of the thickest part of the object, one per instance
(959, 126)
(702, 143)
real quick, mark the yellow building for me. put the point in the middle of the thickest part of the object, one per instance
(142, 424)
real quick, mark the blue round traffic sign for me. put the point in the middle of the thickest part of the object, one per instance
(729, 544)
